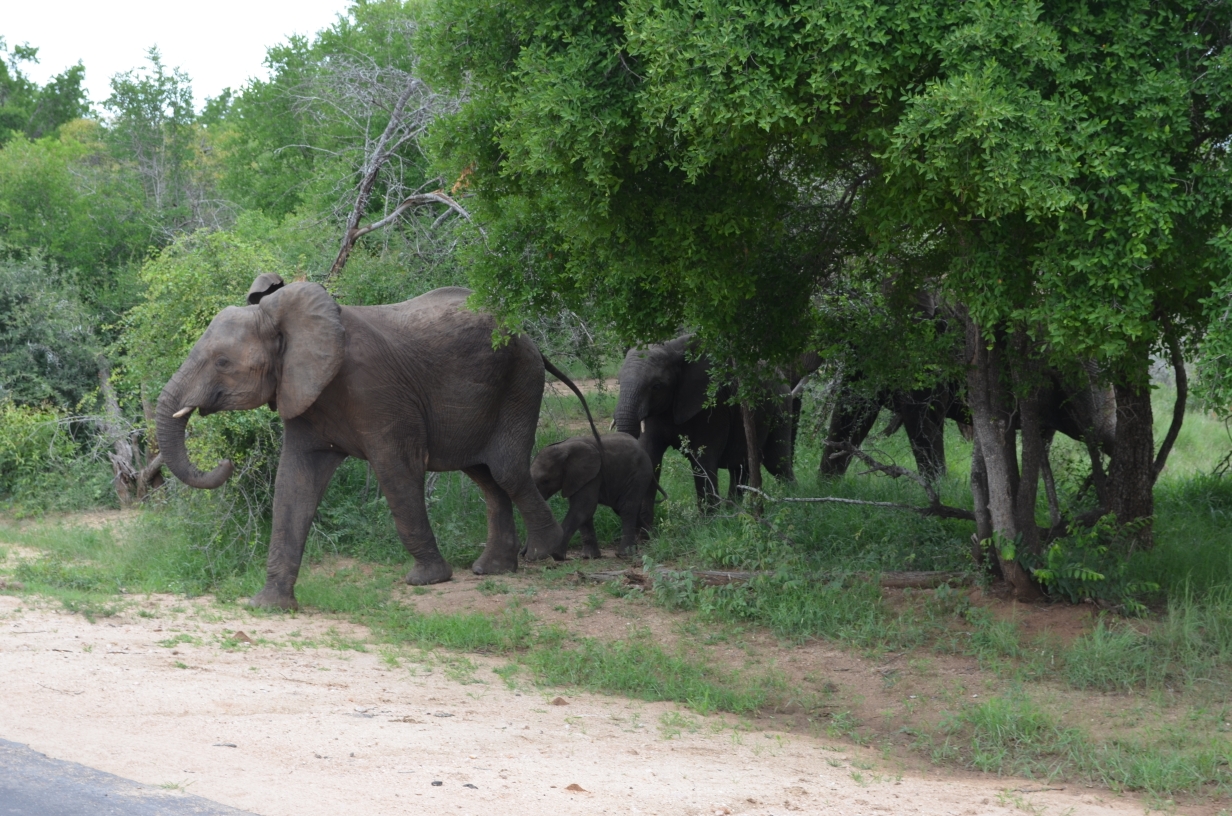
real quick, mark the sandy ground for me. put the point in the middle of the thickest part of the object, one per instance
(282, 727)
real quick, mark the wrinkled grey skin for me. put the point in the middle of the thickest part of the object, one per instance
(663, 394)
(620, 478)
(410, 387)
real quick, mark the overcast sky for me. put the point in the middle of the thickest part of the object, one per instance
(220, 43)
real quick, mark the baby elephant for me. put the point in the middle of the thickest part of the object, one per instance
(621, 478)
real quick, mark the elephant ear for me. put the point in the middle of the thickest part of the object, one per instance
(267, 283)
(310, 322)
(692, 390)
(583, 466)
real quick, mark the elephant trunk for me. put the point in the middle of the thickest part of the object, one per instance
(628, 414)
(172, 420)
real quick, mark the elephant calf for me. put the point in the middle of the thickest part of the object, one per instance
(621, 477)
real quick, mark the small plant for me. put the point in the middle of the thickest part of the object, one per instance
(1092, 564)
(492, 586)
(672, 724)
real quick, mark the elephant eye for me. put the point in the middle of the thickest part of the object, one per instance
(222, 362)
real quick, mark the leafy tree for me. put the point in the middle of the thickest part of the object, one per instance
(153, 131)
(1057, 171)
(28, 109)
(67, 198)
(48, 347)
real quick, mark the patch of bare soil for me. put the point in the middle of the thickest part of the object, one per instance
(289, 719)
(587, 386)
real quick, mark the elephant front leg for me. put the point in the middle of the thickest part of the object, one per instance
(302, 478)
(581, 515)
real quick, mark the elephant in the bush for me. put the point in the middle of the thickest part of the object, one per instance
(620, 476)
(663, 393)
(410, 387)
(1083, 411)
(921, 413)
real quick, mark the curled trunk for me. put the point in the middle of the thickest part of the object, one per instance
(171, 442)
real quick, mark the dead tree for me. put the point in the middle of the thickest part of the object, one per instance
(135, 473)
(388, 109)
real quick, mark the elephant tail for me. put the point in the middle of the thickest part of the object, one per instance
(560, 375)
(659, 488)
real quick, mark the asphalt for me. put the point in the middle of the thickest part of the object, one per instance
(33, 784)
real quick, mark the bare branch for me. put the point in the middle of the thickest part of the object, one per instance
(416, 201)
(939, 510)
(893, 471)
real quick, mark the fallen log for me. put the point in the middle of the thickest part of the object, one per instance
(886, 580)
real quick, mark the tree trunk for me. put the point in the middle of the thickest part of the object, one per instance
(754, 456)
(979, 496)
(991, 405)
(1131, 476)
(1050, 483)
(1033, 451)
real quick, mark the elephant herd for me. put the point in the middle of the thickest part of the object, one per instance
(421, 386)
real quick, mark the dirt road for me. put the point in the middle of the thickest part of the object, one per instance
(299, 723)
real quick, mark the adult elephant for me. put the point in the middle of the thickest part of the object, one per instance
(664, 390)
(411, 387)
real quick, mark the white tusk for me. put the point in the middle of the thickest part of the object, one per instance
(187, 409)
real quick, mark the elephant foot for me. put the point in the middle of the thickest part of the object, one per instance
(271, 597)
(429, 572)
(625, 552)
(495, 563)
(550, 541)
(591, 551)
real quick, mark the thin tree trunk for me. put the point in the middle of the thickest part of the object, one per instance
(1178, 407)
(1050, 483)
(979, 496)
(754, 455)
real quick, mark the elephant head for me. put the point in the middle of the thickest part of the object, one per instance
(661, 381)
(566, 467)
(281, 351)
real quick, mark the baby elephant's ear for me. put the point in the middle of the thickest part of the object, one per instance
(267, 283)
(582, 468)
(314, 341)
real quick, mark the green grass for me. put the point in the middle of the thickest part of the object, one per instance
(638, 667)
(1012, 735)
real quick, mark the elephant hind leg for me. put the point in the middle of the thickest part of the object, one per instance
(500, 553)
(544, 536)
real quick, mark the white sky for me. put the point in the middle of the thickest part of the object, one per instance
(219, 43)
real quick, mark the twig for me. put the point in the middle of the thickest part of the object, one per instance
(62, 691)
(939, 510)
(893, 471)
(887, 580)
